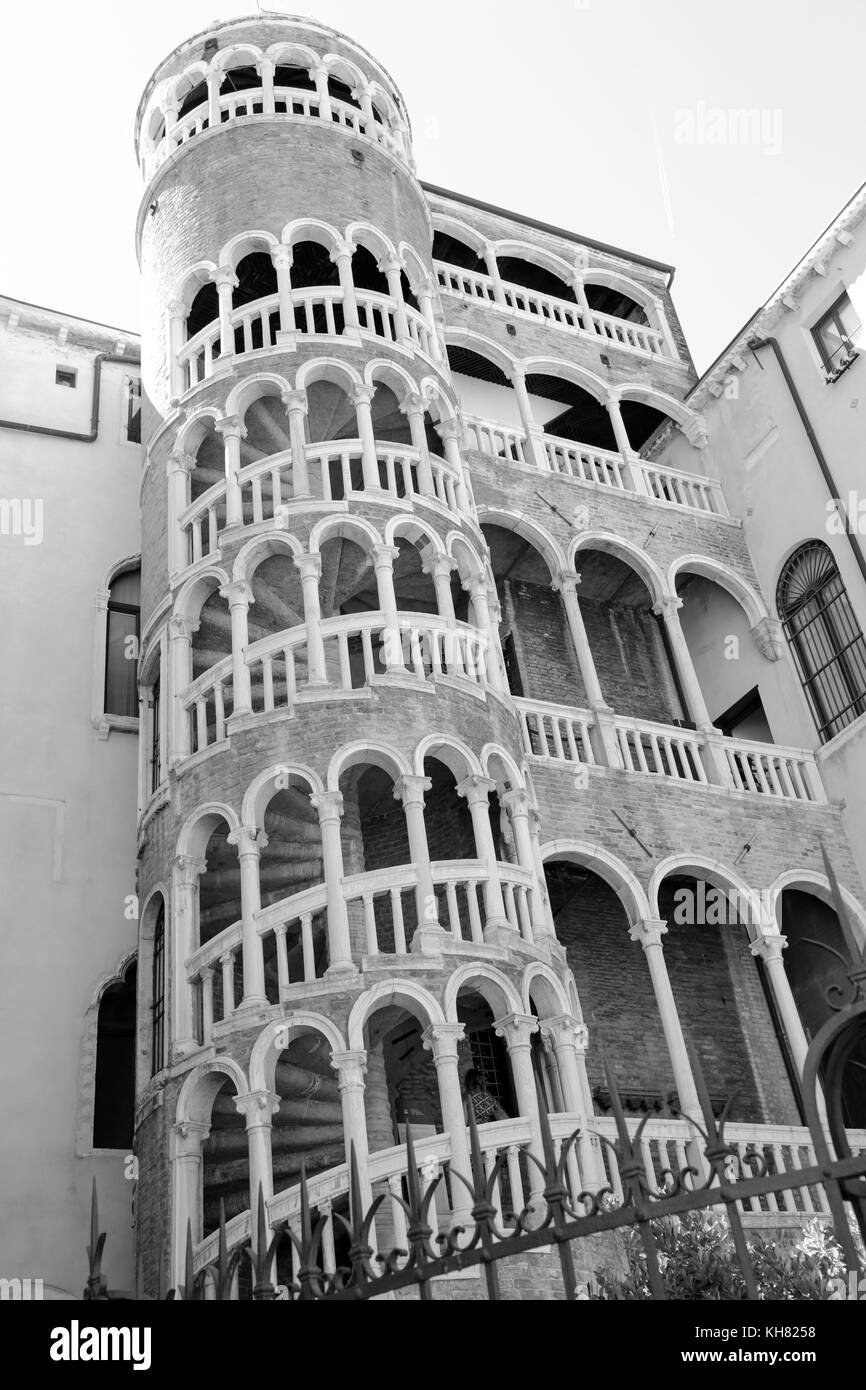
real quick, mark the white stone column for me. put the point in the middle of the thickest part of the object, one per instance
(535, 449)
(310, 567)
(518, 806)
(258, 1109)
(477, 790)
(649, 933)
(569, 1039)
(549, 929)
(661, 323)
(383, 561)
(476, 587)
(442, 1039)
(180, 467)
(440, 569)
(413, 409)
(182, 942)
(630, 456)
(187, 1138)
(267, 64)
(177, 315)
(715, 762)
(606, 748)
(250, 841)
(492, 264)
(410, 791)
(296, 406)
(770, 946)
(180, 647)
(319, 74)
(391, 270)
(449, 432)
(225, 281)
(232, 432)
(361, 94)
(362, 398)
(517, 1030)
(239, 596)
(282, 258)
(426, 296)
(342, 259)
(576, 282)
(350, 1068)
(214, 83)
(329, 806)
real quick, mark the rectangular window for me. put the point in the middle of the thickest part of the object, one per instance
(132, 411)
(155, 777)
(66, 376)
(121, 655)
(835, 335)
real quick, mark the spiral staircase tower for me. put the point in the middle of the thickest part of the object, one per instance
(336, 817)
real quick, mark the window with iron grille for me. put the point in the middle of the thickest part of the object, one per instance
(155, 773)
(488, 1061)
(157, 1032)
(824, 636)
(132, 420)
(121, 655)
(834, 336)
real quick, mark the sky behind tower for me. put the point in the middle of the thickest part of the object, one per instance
(720, 139)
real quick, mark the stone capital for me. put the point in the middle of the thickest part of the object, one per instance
(224, 278)
(769, 636)
(329, 806)
(189, 1135)
(390, 264)
(188, 869)
(564, 582)
(611, 399)
(413, 405)
(516, 1029)
(257, 1107)
(309, 566)
(295, 401)
(282, 257)
(668, 607)
(180, 463)
(516, 802)
(476, 586)
(237, 592)
(770, 945)
(362, 395)
(410, 790)
(230, 427)
(442, 1040)
(448, 429)
(177, 309)
(476, 789)
(562, 1030)
(249, 839)
(439, 565)
(340, 250)
(384, 556)
(350, 1068)
(648, 932)
(182, 628)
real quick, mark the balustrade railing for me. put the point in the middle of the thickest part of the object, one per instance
(660, 750)
(555, 731)
(293, 937)
(502, 441)
(208, 705)
(771, 771)
(560, 313)
(680, 489)
(215, 974)
(587, 465)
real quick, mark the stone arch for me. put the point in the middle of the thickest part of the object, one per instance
(535, 255)
(415, 530)
(551, 994)
(244, 244)
(566, 371)
(681, 414)
(469, 560)
(380, 246)
(329, 369)
(251, 555)
(390, 760)
(193, 430)
(417, 272)
(343, 68)
(200, 1088)
(391, 374)
(624, 550)
(613, 280)
(187, 286)
(809, 881)
(176, 87)
(263, 788)
(198, 827)
(252, 388)
(436, 399)
(236, 55)
(518, 522)
(484, 346)
(719, 573)
(194, 593)
(457, 756)
(608, 867)
(453, 226)
(493, 985)
(310, 229)
(292, 55)
(489, 753)
(353, 528)
(713, 871)
(274, 1038)
(404, 994)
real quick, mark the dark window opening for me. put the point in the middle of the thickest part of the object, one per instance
(615, 303)
(285, 76)
(584, 420)
(155, 774)
(746, 719)
(641, 422)
(196, 96)
(366, 273)
(66, 376)
(512, 665)
(121, 652)
(133, 411)
(825, 637)
(469, 363)
(454, 252)
(835, 335)
(516, 271)
(157, 1008)
(205, 309)
(312, 266)
(341, 91)
(115, 1066)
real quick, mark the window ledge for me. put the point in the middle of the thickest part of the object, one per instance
(123, 723)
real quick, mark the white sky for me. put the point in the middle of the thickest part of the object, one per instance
(561, 109)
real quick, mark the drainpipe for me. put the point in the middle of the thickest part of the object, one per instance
(94, 409)
(816, 447)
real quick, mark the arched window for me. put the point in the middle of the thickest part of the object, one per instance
(121, 648)
(825, 637)
(157, 1007)
(115, 1065)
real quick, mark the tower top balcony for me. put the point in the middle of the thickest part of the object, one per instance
(273, 68)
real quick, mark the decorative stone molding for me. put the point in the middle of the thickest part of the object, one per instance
(696, 433)
(649, 932)
(769, 638)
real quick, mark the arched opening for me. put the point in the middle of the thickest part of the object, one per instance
(628, 641)
(615, 991)
(341, 92)
(212, 639)
(225, 1161)
(727, 663)
(330, 413)
(287, 75)
(824, 636)
(515, 270)
(483, 387)
(114, 1098)
(604, 300)
(257, 279)
(452, 251)
(243, 78)
(567, 411)
(366, 274)
(483, 1051)
(289, 863)
(195, 97)
(374, 836)
(203, 310)
(540, 660)
(267, 431)
(277, 606)
(210, 469)
(308, 1126)
(219, 897)
(158, 985)
(122, 644)
(818, 980)
(312, 267)
(723, 1001)
(643, 423)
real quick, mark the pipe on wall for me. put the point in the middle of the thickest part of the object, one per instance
(90, 437)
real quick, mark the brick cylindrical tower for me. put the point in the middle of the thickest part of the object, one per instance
(342, 904)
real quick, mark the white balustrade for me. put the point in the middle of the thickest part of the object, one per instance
(293, 936)
(517, 890)
(680, 489)
(555, 731)
(208, 704)
(554, 312)
(501, 441)
(660, 750)
(585, 464)
(215, 973)
(771, 771)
